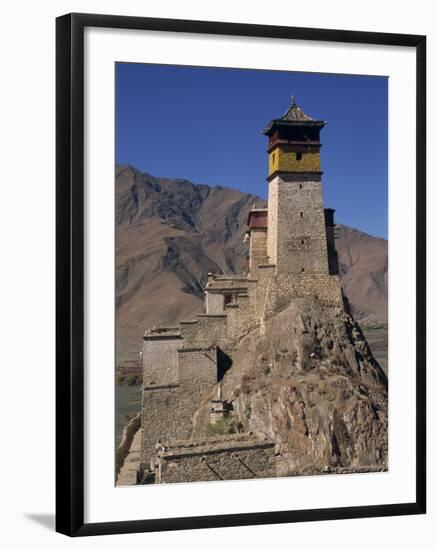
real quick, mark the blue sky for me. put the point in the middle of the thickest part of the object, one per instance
(204, 124)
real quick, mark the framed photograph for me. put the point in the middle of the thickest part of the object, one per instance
(240, 274)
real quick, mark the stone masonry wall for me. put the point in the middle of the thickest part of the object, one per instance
(283, 288)
(214, 303)
(272, 216)
(197, 369)
(301, 233)
(168, 411)
(266, 274)
(160, 366)
(240, 316)
(162, 415)
(257, 249)
(208, 329)
(226, 459)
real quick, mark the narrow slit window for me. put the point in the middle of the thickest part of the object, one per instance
(298, 156)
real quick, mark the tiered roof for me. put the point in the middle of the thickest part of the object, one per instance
(293, 117)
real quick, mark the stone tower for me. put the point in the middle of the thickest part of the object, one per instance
(297, 235)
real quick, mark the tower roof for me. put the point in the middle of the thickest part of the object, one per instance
(293, 117)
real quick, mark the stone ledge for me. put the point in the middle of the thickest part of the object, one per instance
(163, 387)
(241, 442)
(162, 332)
(212, 315)
(196, 348)
(175, 336)
(220, 289)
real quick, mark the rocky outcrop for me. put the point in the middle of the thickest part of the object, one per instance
(312, 385)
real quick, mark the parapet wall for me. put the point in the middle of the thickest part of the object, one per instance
(206, 330)
(213, 459)
(160, 365)
(162, 415)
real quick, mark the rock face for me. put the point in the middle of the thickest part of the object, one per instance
(311, 384)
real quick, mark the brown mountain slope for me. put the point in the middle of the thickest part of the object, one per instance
(171, 233)
(364, 272)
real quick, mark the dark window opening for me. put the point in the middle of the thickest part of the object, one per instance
(300, 186)
(228, 299)
(302, 270)
(298, 156)
(302, 242)
(224, 363)
(301, 214)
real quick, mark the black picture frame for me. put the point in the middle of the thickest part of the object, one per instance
(70, 273)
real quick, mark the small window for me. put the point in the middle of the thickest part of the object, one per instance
(273, 157)
(228, 299)
(302, 270)
(301, 214)
(298, 156)
(300, 186)
(302, 242)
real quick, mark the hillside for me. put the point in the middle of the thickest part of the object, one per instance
(171, 233)
(363, 272)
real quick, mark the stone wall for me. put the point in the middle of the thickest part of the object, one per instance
(168, 411)
(162, 415)
(207, 329)
(223, 458)
(214, 303)
(283, 288)
(160, 364)
(266, 274)
(197, 368)
(301, 233)
(272, 216)
(240, 315)
(174, 380)
(257, 249)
